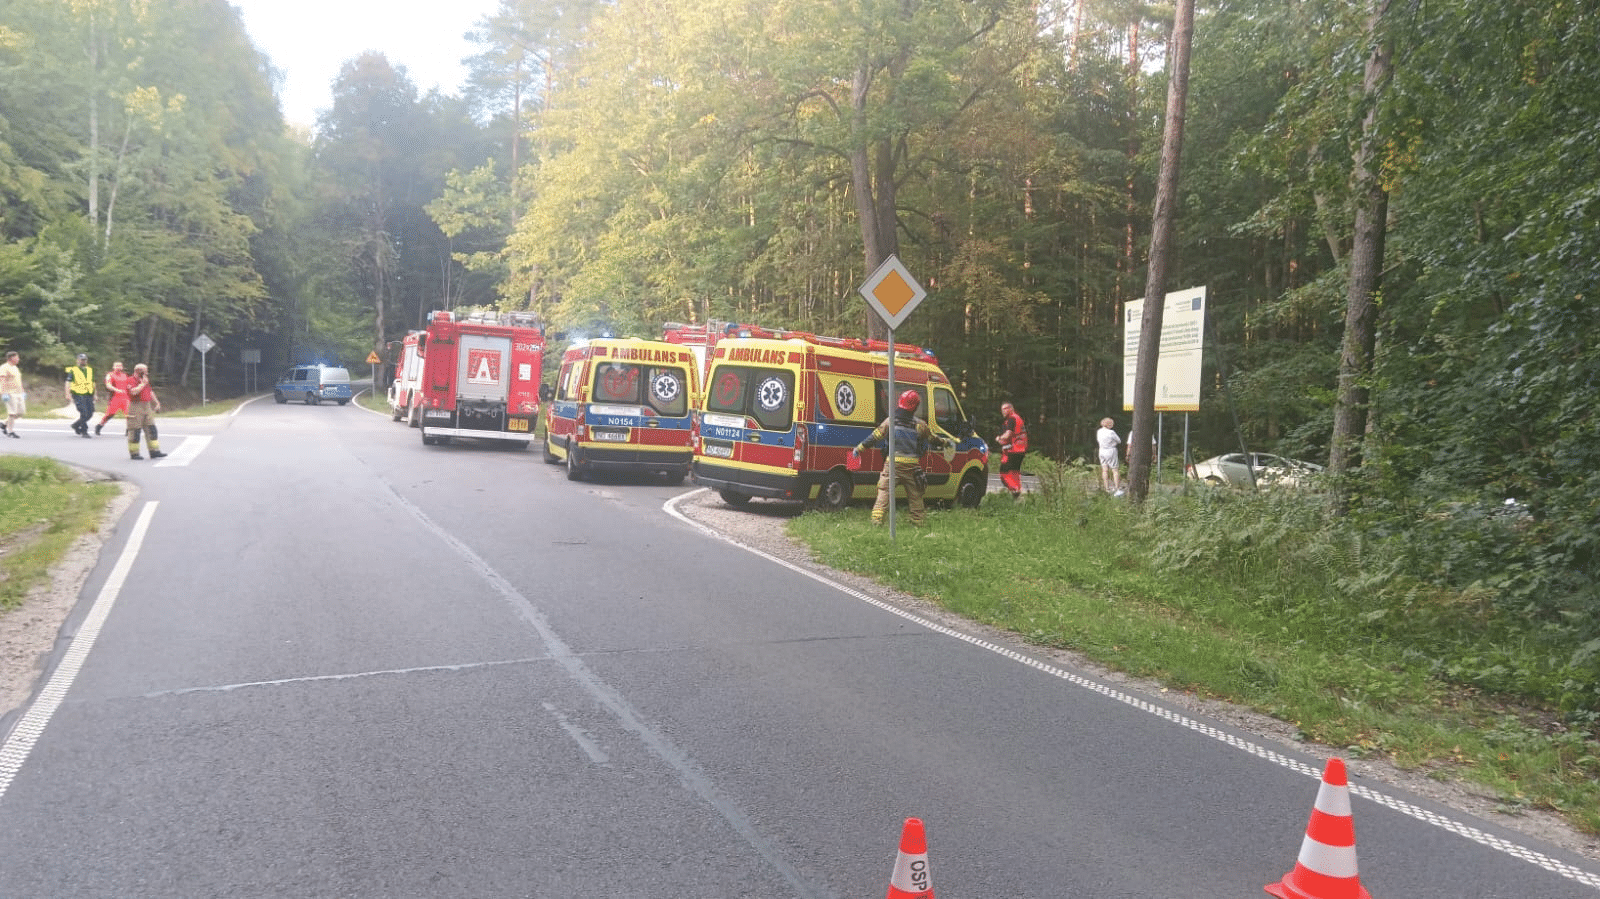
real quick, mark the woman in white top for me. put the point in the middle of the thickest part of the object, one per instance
(1110, 468)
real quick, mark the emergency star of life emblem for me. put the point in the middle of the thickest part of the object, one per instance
(483, 367)
(665, 386)
(844, 398)
(770, 394)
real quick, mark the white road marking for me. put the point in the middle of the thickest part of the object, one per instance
(185, 453)
(28, 730)
(1534, 857)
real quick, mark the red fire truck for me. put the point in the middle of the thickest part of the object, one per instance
(472, 375)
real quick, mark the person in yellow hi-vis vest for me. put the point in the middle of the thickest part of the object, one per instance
(80, 386)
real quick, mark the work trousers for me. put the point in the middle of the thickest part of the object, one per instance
(906, 476)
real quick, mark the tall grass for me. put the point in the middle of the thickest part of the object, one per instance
(1267, 600)
(44, 507)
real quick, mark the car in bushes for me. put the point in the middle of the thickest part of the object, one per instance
(1236, 470)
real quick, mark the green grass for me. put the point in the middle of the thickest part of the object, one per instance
(44, 507)
(1246, 598)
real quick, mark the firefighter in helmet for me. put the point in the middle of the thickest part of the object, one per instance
(912, 439)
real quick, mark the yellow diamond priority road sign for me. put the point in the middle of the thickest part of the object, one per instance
(893, 292)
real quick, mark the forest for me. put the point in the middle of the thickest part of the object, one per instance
(1393, 207)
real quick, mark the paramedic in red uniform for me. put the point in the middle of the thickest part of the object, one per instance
(117, 390)
(912, 438)
(1013, 440)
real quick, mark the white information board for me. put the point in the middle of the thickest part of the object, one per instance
(1183, 332)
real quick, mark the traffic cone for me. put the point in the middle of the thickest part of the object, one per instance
(1326, 868)
(910, 879)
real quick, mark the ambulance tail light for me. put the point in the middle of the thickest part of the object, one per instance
(580, 426)
(799, 447)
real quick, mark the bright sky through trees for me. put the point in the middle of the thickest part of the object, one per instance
(308, 40)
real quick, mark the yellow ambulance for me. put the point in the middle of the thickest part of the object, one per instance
(622, 404)
(779, 417)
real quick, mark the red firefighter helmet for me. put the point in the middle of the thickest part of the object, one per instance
(910, 400)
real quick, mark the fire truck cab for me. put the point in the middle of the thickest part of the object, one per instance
(477, 376)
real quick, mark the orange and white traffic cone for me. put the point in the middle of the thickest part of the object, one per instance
(910, 879)
(1326, 868)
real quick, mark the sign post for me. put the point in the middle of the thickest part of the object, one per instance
(892, 293)
(204, 345)
(374, 361)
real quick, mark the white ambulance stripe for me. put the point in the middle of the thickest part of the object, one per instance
(1332, 800)
(1451, 825)
(1329, 861)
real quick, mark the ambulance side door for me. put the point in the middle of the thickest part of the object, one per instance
(944, 414)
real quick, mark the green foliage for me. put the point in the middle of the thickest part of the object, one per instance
(44, 507)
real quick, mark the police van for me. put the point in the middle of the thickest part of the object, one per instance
(622, 404)
(780, 416)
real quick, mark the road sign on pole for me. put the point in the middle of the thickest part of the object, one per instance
(204, 345)
(893, 293)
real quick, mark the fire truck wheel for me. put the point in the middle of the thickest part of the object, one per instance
(522, 444)
(549, 457)
(735, 498)
(395, 413)
(834, 494)
(414, 417)
(574, 472)
(426, 440)
(972, 489)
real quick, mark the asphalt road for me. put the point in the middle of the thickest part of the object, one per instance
(322, 660)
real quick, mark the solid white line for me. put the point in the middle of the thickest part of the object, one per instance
(28, 730)
(1539, 859)
(185, 453)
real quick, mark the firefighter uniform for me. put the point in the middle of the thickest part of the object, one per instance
(912, 439)
(142, 408)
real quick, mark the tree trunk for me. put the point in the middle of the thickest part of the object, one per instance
(872, 167)
(1144, 378)
(1366, 268)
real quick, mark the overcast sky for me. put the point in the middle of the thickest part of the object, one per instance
(308, 40)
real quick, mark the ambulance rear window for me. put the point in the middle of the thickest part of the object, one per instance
(664, 388)
(765, 394)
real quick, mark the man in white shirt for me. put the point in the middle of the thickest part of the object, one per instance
(12, 393)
